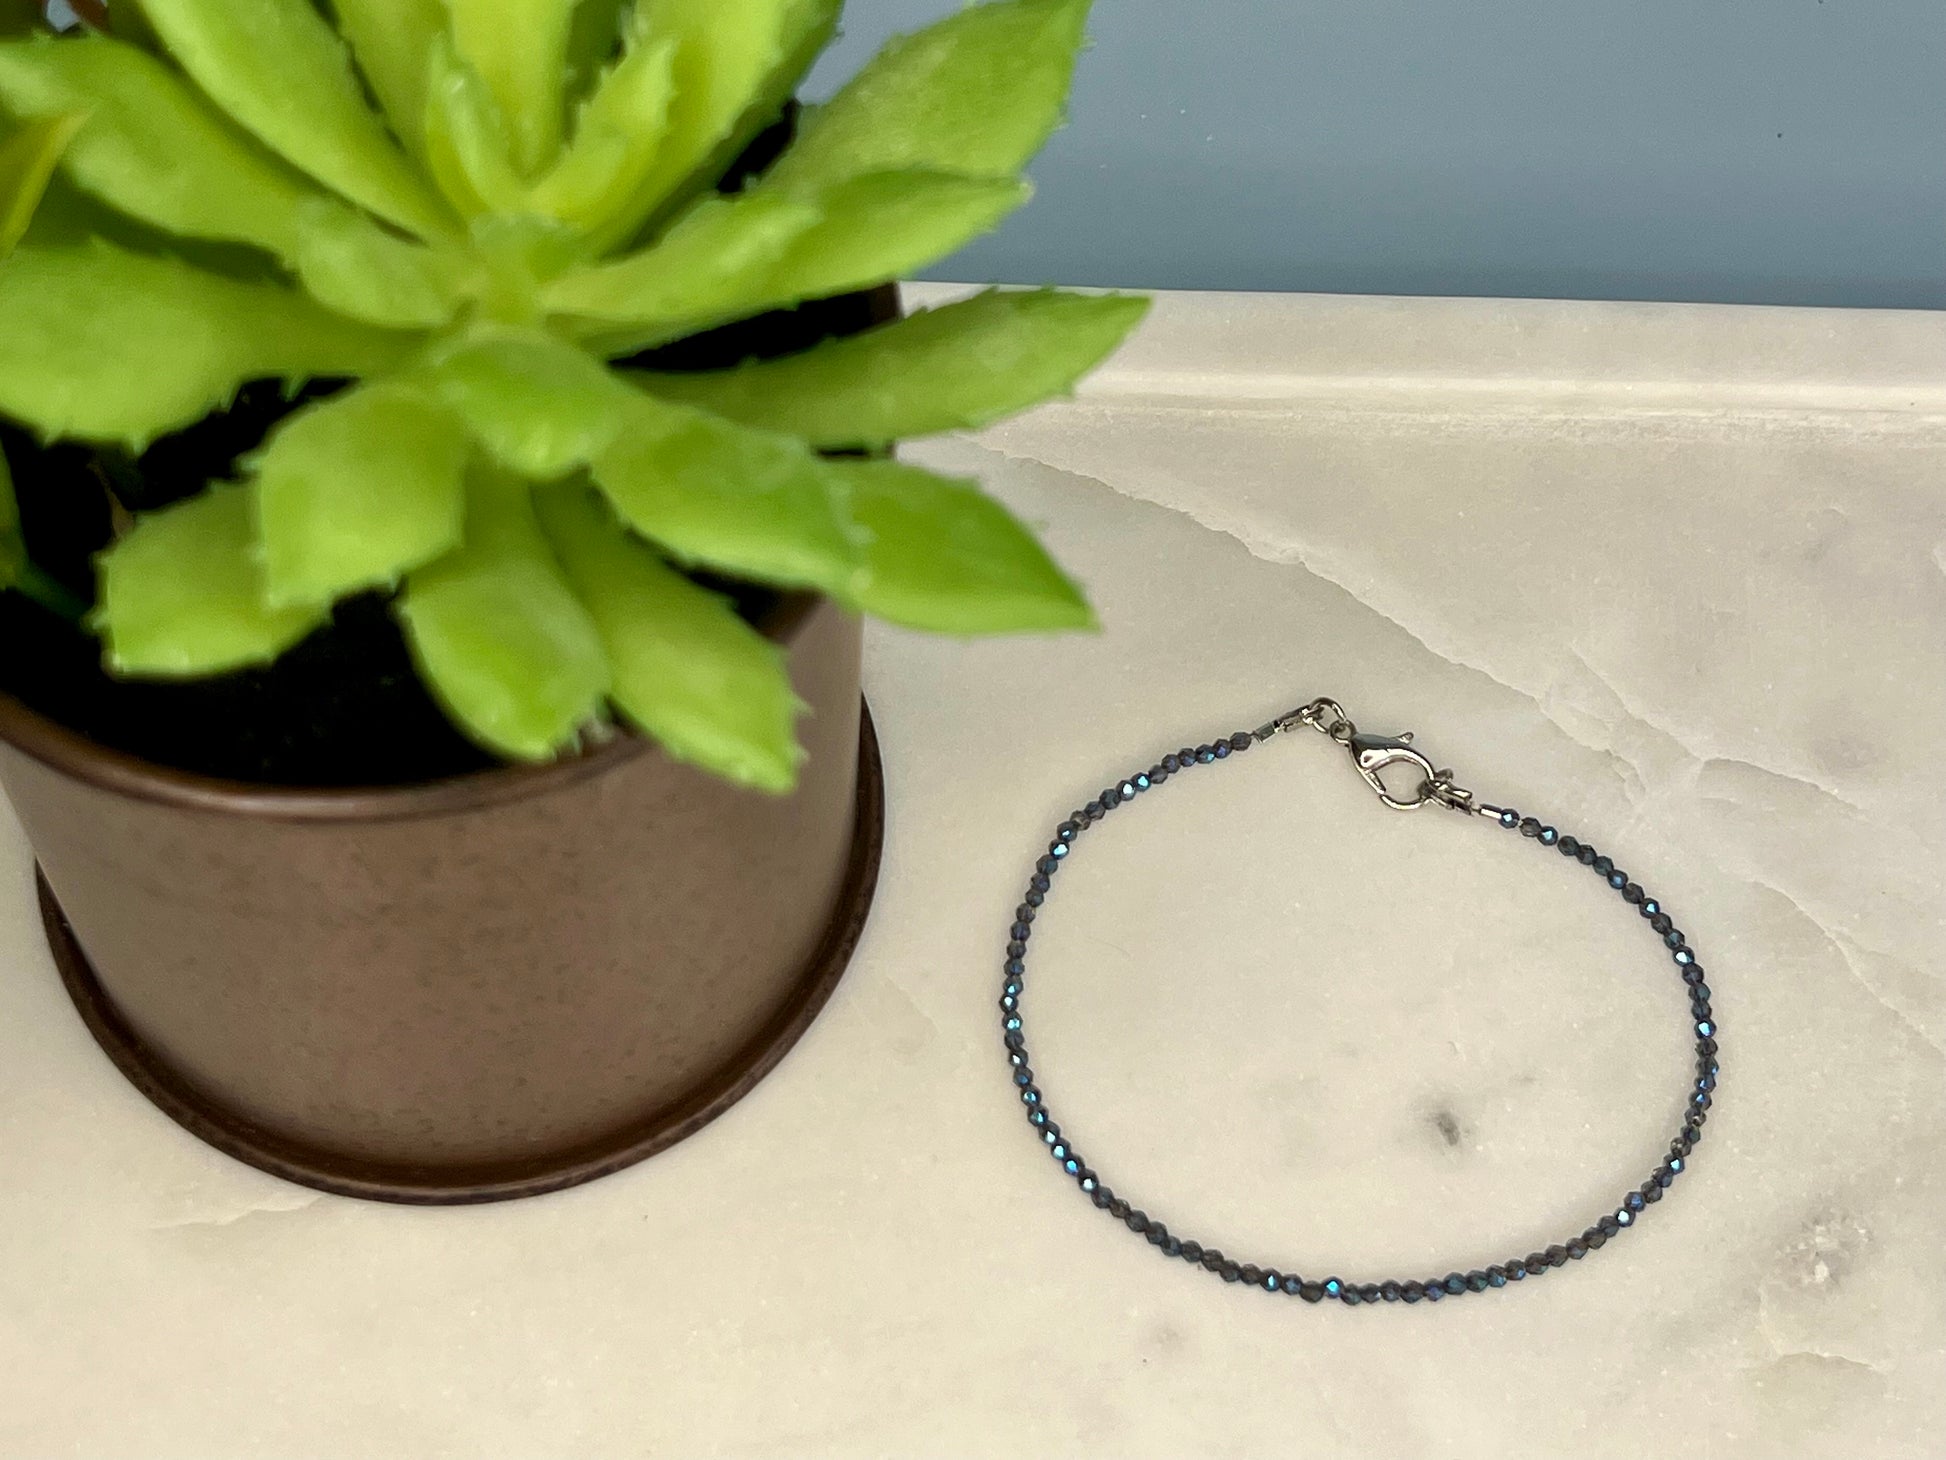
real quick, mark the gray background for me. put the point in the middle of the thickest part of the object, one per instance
(1774, 151)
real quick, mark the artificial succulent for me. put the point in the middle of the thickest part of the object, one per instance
(461, 213)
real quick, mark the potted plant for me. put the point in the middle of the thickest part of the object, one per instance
(451, 440)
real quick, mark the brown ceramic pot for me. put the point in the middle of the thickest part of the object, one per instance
(482, 988)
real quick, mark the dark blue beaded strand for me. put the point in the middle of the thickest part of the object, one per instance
(1282, 1281)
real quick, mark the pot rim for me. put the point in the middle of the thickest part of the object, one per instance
(74, 755)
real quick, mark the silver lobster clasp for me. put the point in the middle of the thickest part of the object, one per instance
(1375, 753)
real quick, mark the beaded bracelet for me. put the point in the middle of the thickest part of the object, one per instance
(1372, 755)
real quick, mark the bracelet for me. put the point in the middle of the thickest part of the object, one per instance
(1372, 755)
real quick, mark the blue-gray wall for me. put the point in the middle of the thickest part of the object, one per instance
(1782, 151)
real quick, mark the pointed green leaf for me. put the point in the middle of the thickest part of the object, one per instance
(687, 669)
(391, 39)
(538, 406)
(499, 637)
(27, 163)
(280, 70)
(520, 49)
(352, 266)
(153, 147)
(357, 491)
(808, 29)
(947, 558)
(948, 369)
(884, 226)
(761, 506)
(872, 229)
(725, 56)
(978, 93)
(721, 253)
(467, 148)
(107, 345)
(615, 141)
(182, 594)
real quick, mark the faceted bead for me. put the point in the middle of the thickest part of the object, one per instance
(1549, 836)
(1024, 930)
(1675, 1166)
(1510, 818)
(1576, 1248)
(1557, 1255)
(1187, 755)
(1040, 883)
(1632, 892)
(1649, 908)
(1229, 1272)
(1624, 1217)
(1272, 1280)
(1035, 897)
(1412, 1292)
(1058, 850)
(1537, 1264)
(1016, 949)
(1192, 1252)
(1025, 913)
(1014, 967)
(1333, 1287)
(1603, 866)
(1110, 799)
(1311, 1292)
(1496, 1276)
(1142, 782)
(1172, 1247)
(1136, 1220)
(1170, 763)
(1651, 1193)
(1609, 1225)
(1595, 1238)
(1476, 1281)
(1127, 790)
(1618, 880)
(1673, 938)
(1250, 1274)
(1102, 1197)
(1294, 1285)
(1633, 1201)
(1685, 958)
(1516, 1270)
(1662, 922)
(1094, 811)
(1529, 826)
(1211, 1259)
(1389, 1292)
(1570, 846)
(1204, 755)
(1368, 1293)
(1047, 866)
(1350, 1295)
(1705, 1029)
(1692, 974)
(1241, 741)
(1157, 1234)
(1067, 831)
(1118, 1208)
(1586, 856)
(1221, 750)
(1434, 1292)
(1455, 1282)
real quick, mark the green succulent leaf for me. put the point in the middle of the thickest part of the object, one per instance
(948, 369)
(107, 345)
(720, 253)
(279, 68)
(687, 669)
(520, 49)
(857, 234)
(537, 405)
(978, 93)
(615, 141)
(357, 491)
(467, 146)
(360, 270)
(152, 146)
(27, 163)
(500, 637)
(725, 58)
(947, 558)
(391, 39)
(182, 594)
(747, 502)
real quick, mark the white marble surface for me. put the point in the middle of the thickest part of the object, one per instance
(1674, 576)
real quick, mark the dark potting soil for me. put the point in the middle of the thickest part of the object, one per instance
(343, 708)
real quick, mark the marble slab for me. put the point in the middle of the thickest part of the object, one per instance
(1673, 577)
